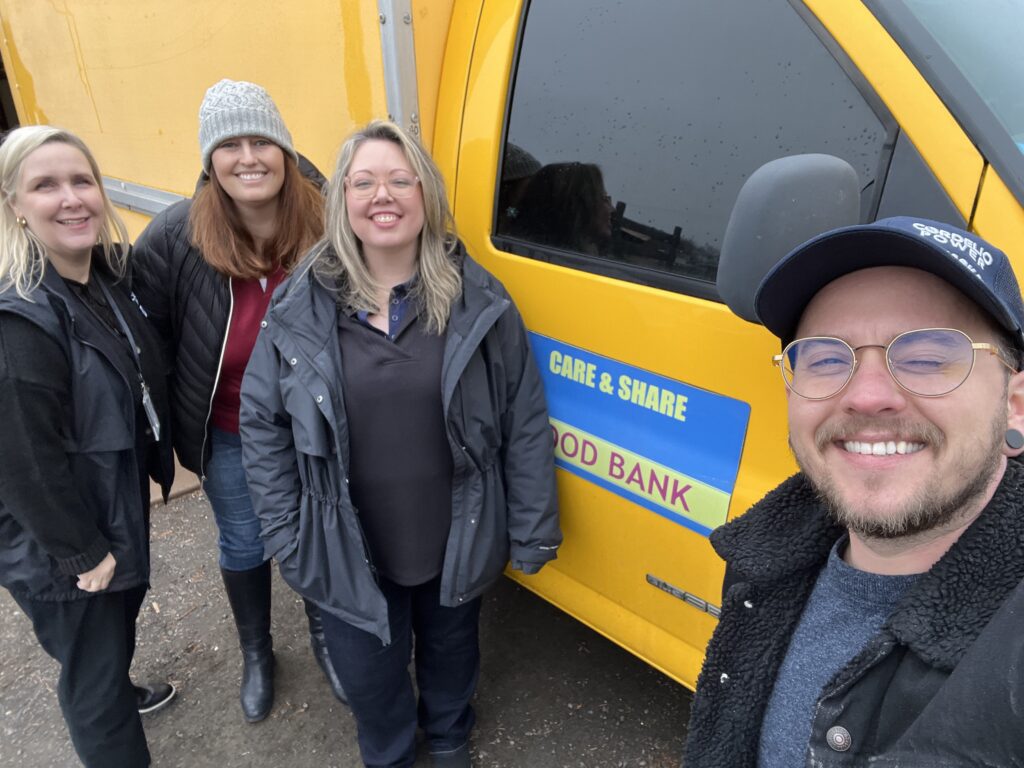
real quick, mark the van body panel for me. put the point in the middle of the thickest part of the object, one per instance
(612, 545)
(451, 90)
(431, 20)
(999, 218)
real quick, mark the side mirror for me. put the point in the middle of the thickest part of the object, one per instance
(784, 203)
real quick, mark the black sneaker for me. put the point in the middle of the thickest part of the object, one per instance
(152, 698)
(455, 758)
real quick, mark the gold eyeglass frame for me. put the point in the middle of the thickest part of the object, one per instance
(387, 186)
(992, 349)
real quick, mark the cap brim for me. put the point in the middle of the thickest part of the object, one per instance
(786, 291)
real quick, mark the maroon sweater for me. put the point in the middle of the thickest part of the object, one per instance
(249, 304)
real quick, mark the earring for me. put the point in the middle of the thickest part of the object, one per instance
(1014, 439)
(22, 222)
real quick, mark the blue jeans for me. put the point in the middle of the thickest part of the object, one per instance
(376, 678)
(241, 548)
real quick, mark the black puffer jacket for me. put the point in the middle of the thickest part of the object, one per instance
(940, 685)
(190, 304)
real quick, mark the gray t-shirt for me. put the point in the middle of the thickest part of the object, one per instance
(846, 608)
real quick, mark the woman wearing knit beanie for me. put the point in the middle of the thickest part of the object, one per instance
(206, 270)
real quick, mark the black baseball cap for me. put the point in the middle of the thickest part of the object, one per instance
(975, 267)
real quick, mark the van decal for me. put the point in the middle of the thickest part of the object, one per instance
(665, 445)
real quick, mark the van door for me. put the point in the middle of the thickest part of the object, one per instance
(600, 148)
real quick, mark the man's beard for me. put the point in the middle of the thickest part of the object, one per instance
(930, 508)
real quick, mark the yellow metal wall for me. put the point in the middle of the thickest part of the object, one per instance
(129, 75)
(430, 26)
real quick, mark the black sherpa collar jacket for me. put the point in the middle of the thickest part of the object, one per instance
(941, 685)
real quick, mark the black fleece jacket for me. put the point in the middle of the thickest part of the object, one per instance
(940, 685)
(36, 483)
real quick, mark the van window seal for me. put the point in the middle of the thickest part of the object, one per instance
(619, 270)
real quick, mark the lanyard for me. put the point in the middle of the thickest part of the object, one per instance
(147, 400)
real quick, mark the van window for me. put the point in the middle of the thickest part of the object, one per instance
(968, 53)
(633, 124)
(979, 39)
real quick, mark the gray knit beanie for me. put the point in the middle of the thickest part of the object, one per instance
(519, 164)
(233, 108)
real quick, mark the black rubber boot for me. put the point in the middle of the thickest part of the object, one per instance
(249, 595)
(319, 646)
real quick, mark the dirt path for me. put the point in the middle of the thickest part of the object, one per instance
(553, 694)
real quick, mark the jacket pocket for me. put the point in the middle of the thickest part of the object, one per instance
(309, 427)
(286, 551)
(25, 567)
(312, 438)
(485, 544)
(329, 563)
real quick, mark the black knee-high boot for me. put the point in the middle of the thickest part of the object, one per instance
(249, 595)
(319, 646)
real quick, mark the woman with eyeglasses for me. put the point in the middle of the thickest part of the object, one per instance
(84, 401)
(396, 440)
(208, 267)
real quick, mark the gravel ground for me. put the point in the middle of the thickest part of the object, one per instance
(552, 694)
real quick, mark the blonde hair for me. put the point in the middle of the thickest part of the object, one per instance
(22, 254)
(338, 259)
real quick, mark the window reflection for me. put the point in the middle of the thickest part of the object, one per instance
(638, 151)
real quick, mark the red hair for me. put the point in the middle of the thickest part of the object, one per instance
(227, 246)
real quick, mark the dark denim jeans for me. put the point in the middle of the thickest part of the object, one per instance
(241, 548)
(376, 678)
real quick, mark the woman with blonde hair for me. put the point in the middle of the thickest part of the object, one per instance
(85, 416)
(396, 440)
(208, 267)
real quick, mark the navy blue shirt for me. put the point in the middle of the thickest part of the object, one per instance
(397, 309)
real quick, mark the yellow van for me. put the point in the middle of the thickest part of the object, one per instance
(593, 151)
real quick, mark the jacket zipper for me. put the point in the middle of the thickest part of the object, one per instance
(216, 381)
(330, 393)
(467, 461)
(131, 416)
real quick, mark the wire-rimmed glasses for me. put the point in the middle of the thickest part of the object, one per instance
(930, 362)
(363, 185)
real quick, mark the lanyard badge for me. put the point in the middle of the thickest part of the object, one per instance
(147, 405)
(147, 400)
